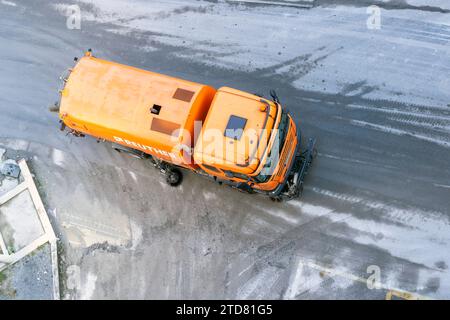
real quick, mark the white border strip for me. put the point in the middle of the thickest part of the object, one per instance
(12, 193)
(3, 247)
(43, 217)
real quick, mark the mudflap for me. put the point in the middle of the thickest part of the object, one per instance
(303, 160)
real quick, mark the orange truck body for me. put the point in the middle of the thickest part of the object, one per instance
(186, 124)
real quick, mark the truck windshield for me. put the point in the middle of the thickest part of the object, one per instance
(275, 152)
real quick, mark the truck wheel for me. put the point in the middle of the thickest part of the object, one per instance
(245, 188)
(174, 177)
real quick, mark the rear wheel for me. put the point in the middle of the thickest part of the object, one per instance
(174, 177)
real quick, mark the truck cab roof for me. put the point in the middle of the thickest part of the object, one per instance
(236, 131)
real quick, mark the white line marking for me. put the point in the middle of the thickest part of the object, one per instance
(3, 246)
(441, 185)
(245, 270)
(340, 273)
(292, 290)
(399, 132)
(8, 3)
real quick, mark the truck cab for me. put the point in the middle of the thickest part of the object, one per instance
(251, 143)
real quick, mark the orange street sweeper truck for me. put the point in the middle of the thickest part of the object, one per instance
(232, 137)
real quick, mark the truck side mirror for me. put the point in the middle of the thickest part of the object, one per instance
(274, 96)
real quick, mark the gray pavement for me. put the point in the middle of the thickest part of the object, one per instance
(30, 278)
(377, 195)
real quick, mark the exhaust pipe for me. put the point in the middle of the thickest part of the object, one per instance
(54, 108)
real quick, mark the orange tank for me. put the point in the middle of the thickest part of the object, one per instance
(140, 109)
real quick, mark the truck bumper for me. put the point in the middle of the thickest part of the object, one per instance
(293, 185)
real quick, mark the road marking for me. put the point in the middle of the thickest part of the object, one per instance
(441, 185)
(399, 132)
(246, 269)
(8, 3)
(340, 273)
(291, 292)
(320, 154)
(402, 295)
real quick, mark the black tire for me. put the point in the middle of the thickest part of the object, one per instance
(245, 188)
(174, 177)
